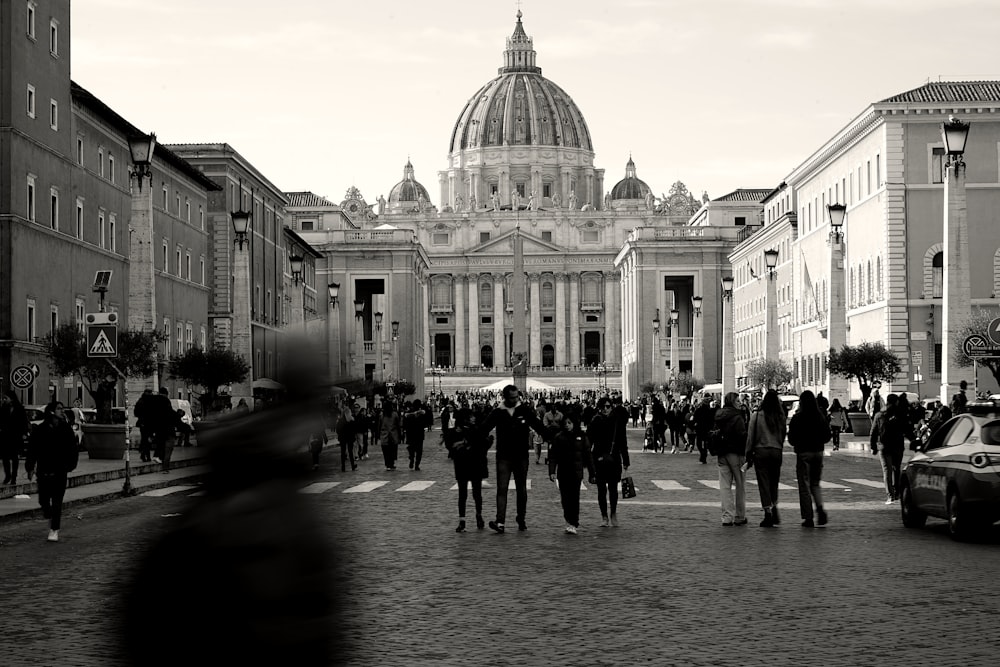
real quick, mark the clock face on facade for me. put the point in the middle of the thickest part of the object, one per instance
(353, 207)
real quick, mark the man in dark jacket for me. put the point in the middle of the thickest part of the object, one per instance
(704, 421)
(13, 426)
(53, 452)
(414, 424)
(512, 421)
(145, 427)
(162, 419)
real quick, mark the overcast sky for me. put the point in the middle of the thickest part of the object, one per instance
(323, 94)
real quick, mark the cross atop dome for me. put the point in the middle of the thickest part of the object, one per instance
(519, 55)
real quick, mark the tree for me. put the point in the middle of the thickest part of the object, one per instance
(67, 349)
(977, 324)
(647, 388)
(768, 373)
(209, 370)
(867, 362)
(685, 384)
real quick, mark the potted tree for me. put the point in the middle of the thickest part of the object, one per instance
(208, 370)
(685, 384)
(870, 364)
(768, 373)
(67, 348)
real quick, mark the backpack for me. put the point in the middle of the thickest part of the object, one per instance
(893, 430)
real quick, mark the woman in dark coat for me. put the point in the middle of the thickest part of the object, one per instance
(610, 457)
(53, 452)
(13, 426)
(467, 448)
(808, 432)
(569, 455)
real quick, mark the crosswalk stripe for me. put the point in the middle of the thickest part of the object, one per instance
(781, 485)
(866, 482)
(166, 491)
(669, 485)
(416, 486)
(583, 487)
(365, 487)
(710, 483)
(830, 485)
(319, 487)
(486, 485)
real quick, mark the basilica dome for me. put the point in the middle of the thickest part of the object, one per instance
(520, 107)
(408, 193)
(630, 187)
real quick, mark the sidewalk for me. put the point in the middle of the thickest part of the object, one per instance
(96, 480)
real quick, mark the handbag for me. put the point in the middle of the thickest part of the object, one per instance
(628, 488)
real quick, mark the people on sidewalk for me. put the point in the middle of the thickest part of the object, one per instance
(390, 433)
(467, 448)
(765, 440)
(569, 456)
(53, 454)
(145, 427)
(889, 429)
(415, 423)
(13, 426)
(347, 425)
(808, 432)
(512, 421)
(838, 422)
(730, 449)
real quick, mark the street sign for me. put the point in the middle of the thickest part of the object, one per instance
(22, 377)
(102, 340)
(993, 331)
(35, 369)
(978, 346)
(102, 318)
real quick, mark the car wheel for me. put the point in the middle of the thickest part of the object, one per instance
(912, 516)
(961, 525)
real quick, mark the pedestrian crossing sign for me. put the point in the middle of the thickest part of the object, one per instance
(102, 340)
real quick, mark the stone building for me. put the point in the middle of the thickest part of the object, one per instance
(65, 210)
(882, 280)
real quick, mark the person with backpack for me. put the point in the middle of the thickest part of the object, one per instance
(52, 450)
(765, 440)
(889, 429)
(729, 445)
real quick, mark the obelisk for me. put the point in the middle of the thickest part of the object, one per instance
(519, 345)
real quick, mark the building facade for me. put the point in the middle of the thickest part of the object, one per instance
(887, 167)
(65, 206)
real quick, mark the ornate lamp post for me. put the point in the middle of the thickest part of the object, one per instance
(242, 336)
(957, 305)
(771, 340)
(379, 362)
(333, 331)
(359, 339)
(837, 312)
(728, 360)
(395, 348)
(674, 352)
(697, 356)
(297, 316)
(654, 351)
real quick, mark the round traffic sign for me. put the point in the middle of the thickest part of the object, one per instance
(22, 377)
(993, 331)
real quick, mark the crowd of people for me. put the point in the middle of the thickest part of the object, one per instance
(582, 436)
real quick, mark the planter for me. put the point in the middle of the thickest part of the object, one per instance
(104, 441)
(861, 423)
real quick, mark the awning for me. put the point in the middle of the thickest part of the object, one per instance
(266, 383)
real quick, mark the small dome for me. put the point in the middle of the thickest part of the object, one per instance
(630, 187)
(408, 192)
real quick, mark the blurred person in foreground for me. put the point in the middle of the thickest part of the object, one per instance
(251, 562)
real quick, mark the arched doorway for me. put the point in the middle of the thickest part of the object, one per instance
(442, 350)
(548, 356)
(486, 356)
(592, 348)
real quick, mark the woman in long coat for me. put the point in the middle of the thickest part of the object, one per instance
(52, 451)
(569, 456)
(610, 458)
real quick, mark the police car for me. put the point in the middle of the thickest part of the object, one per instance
(955, 475)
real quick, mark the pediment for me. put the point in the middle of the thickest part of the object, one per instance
(530, 244)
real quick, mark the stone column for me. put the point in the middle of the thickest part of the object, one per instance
(499, 339)
(535, 334)
(474, 354)
(459, 319)
(425, 295)
(333, 338)
(957, 306)
(296, 308)
(242, 328)
(728, 359)
(141, 278)
(771, 334)
(837, 314)
(560, 320)
(612, 320)
(697, 346)
(574, 319)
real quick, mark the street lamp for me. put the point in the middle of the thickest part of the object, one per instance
(836, 312)
(957, 295)
(697, 353)
(241, 226)
(358, 363)
(395, 347)
(771, 321)
(333, 331)
(728, 360)
(674, 353)
(653, 348)
(334, 290)
(379, 364)
(140, 147)
(296, 264)
(696, 302)
(242, 334)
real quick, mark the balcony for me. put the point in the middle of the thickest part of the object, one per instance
(747, 231)
(592, 306)
(442, 308)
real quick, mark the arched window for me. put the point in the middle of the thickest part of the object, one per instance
(878, 277)
(485, 296)
(852, 285)
(861, 284)
(441, 295)
(937, 274)
(548, 295)
(591, 288)
(871, 289)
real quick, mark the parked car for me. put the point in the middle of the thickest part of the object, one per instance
(955, 475)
